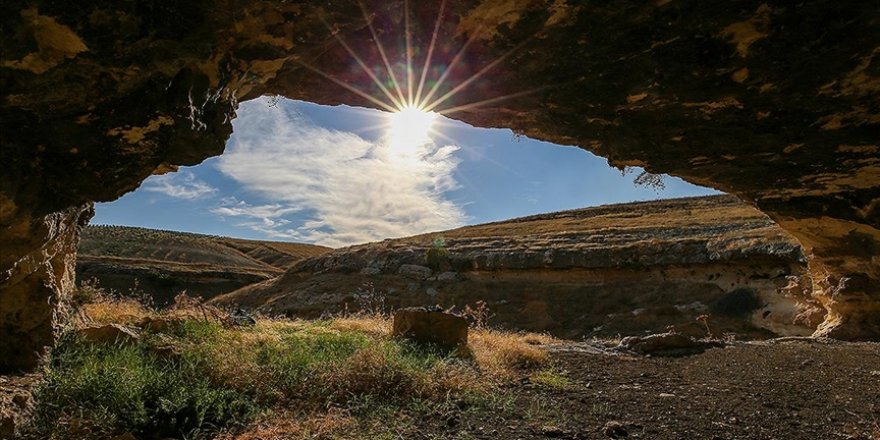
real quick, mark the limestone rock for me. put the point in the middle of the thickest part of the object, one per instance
(449, 276)
(242, 318)
(370, 271)
(666, 344)
(16, 402)
(109, 334)
(428, 326)
(37, 267)
(415, 272)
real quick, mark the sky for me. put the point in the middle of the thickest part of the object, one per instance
(336, 176)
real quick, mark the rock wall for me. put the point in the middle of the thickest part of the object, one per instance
(604, 271)
(773, 101)
(37, 271)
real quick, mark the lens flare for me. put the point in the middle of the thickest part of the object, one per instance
(410, 126)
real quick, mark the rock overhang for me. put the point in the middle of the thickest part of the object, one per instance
(748, 97)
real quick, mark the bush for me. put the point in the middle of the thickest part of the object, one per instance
(437, 256)
(105, 389)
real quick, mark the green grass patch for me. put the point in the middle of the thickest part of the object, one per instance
(551, 378)
(216, 378)
(102, 389)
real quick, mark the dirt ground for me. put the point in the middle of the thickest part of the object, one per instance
(784, 390)
(773, 390)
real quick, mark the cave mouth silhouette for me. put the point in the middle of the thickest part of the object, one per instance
(339, 175)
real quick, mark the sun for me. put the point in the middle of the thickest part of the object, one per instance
(410, 126)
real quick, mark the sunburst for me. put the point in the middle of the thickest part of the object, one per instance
(412, 106)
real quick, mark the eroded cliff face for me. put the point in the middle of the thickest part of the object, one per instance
(605, 271)
(772, 101)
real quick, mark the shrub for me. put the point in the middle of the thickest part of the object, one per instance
(437, 256)
(105, 389)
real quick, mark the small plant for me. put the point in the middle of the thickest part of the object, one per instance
(370, 300)
(551, 378)
(650, 180)
(647, 179)
(89, 291)
(437, 256)
(478, 316)
(185, 304)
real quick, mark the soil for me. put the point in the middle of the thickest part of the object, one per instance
(795, 389)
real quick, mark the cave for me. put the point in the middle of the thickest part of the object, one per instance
(774, 102)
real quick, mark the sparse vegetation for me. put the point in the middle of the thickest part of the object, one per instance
(551, 378)
(437, 256)
(202, 376)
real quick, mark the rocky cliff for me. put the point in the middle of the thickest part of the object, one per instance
(617, 269)
(774, 101)
(161, 264)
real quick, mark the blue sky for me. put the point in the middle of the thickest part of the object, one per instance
(296, 171)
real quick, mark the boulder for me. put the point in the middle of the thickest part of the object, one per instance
(430, 326)
(449, 276)
(370, 271)
(415, 272)
(242, 318)
(667, 344)
(109, 334)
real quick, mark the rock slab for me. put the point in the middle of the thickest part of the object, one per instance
(427, 326)
(667, 344)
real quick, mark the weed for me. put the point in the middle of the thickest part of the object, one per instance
(478, 316)
(551, 378)
(370, 301)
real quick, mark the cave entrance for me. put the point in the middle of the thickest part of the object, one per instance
(339, 176)
(310, 175)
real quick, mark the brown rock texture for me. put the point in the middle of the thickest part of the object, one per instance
(36, 274)
(108, 334)
(430, 326)
(772, 101)
(667, 344)
(16, 402)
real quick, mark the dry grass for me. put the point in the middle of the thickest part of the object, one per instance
(275, 379)
(334, 424)
(116, 311)
(505, 355)
(375, 325)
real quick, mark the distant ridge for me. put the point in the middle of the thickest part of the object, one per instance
(162, 263)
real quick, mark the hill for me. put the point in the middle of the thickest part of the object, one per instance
(163, 263)
(607, 270)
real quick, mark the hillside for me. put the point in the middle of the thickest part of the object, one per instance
(163, 263)
(606, 270)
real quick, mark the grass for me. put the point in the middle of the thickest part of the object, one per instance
(200, 378)
(552, 379)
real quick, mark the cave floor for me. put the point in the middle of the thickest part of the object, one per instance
(786, 390)
(794, 389)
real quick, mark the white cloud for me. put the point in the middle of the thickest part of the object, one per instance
(232, 207)
(181, 185)
(354, 190)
